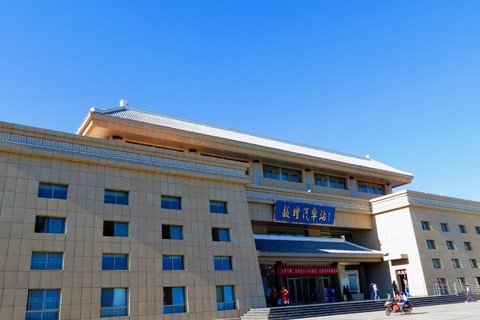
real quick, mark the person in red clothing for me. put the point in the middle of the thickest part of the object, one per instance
(284, 293)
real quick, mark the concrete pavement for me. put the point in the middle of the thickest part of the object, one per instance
(455, 311)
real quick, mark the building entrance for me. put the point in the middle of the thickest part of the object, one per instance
(304, 290)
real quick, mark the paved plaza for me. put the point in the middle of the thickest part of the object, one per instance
(456, 311)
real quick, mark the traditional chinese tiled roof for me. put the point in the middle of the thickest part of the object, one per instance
(151, 118)
(279, 245)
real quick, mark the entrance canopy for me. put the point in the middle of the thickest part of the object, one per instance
(313, 249)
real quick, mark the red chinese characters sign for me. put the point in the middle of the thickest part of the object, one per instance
(305, 271)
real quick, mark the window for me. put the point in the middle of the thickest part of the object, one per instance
(114, 302)
(450, 245)
(369, 187)
(173, 203)
(478, 280)
(46, 261)
(474, 263)
(431, 244)
(283, 174)
(43, 304)
(220, 234)
(116, 197)
(461, 281)
(173, 263)
(468, 246)
(115, 229)
(477, 230)
(437, 264)
(225, 298)
(462, 228)
(49, 225)
(330, 181)
(115, 261)
(222, 263)
(174, 300)
(456, 263)
(218, 207)
(172, 232)
(444, 227)
(426, 225)
(52, 191)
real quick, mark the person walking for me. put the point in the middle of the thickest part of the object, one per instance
(376, 296)
(468, 292)
(394, 288)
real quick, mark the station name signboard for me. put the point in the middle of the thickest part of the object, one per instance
(304, 271)
(303, 213)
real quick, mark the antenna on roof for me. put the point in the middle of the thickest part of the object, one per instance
(123, 103)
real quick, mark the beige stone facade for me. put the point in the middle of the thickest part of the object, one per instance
(173, 175)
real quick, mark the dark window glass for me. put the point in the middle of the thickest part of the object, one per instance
(450, 245)
(115, 229)
(431, 244)
(116, 197)
(368, 187)
(225, 298)
(444, 227)
(330, 181)
(173, 203)
(426, 225)
(174, 300)
(172, 232)
(43, 304)
(283, 174)
(52, 191)
(115, 262)
(114, 302)
(49, 225)
(173, 263)
(46, 261)
(468, 246)
(437, 264)
(222, 263)
(220, 234)
(218, 207)
(462, 228)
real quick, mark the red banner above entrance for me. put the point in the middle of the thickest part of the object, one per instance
(305, 271)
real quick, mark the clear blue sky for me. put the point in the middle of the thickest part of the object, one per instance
(398, 80)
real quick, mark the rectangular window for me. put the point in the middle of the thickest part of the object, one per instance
(450, 245)
(456, 263)
(444, 227)
(461, 281)
(368, 187)
(478, 280)
(283, 174)
(174, 300)
(173, 263)
(222, 263)
(114, 302)
(437, 264)
(173, 203)
(116, 197)
(477, 230)
(225, 298)
(218, 207)
(52, 191)
(462, 228)
(43, 304)
(426, 225)
(468, 246)
(330, 181)
(46, 261)
(172, 232)
(431, 244)
(115, 261)
(115, 229)
(49, 225)
(474, 263)
(220, 234)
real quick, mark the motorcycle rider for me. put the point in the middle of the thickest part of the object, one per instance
(404, 298)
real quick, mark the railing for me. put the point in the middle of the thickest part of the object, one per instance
(455, 288)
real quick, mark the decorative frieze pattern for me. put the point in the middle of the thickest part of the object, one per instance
(434, 202)
(47, 144)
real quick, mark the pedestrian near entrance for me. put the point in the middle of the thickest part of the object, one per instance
(468, 292)
(394, 288)
(376, 296)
